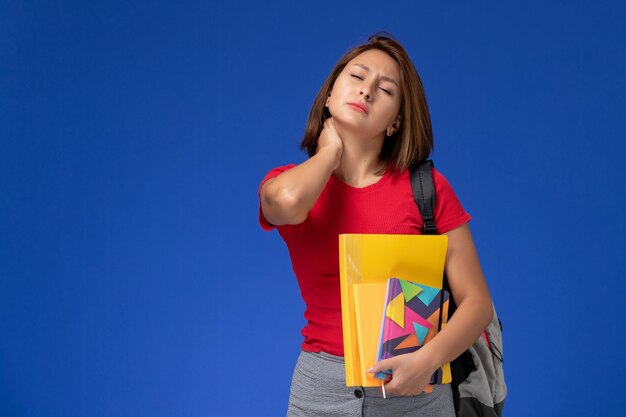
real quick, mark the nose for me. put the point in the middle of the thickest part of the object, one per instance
(365, 90)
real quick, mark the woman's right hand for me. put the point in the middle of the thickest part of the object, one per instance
(330, 139)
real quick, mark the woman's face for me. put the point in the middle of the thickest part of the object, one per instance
(367, 94)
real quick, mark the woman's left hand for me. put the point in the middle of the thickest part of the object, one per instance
(411, 373)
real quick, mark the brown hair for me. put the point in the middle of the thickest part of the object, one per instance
(413, 141)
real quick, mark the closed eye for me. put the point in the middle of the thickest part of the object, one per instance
(360, 78)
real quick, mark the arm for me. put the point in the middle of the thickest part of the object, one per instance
(474, 308)
(412, 372)
(287, 198)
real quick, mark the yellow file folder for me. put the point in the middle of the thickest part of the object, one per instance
(366, 261)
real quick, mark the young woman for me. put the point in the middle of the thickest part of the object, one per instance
(369, 123)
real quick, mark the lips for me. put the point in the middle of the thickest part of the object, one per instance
(359, 106)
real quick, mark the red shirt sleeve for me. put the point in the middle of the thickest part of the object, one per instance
(449, 214)
(266, 225)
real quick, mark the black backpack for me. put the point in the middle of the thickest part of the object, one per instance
(478, 385)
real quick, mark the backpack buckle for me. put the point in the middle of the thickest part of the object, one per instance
(429, 227)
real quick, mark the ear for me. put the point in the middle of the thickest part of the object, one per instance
(397, 122)
(327, 100)
(394, 126)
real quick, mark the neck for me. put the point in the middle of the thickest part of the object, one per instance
(360, 159)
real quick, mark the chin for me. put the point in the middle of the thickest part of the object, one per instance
(350, 122)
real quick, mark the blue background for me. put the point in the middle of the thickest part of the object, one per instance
(134, 277)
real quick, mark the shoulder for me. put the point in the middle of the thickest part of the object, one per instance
(449, 212)
(440, 181)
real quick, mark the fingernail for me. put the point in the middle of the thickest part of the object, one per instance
(371, 369)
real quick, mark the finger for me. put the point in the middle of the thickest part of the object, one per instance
(382, 366)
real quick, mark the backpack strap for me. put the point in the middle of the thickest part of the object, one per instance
(423, 189)
(424, 194)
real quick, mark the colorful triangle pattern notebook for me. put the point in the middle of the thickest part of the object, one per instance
(412, 315)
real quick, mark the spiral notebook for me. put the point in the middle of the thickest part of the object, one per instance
(412, 315)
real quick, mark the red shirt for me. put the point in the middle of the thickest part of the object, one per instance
(386, 206)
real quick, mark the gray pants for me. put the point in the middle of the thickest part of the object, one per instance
(318, 388)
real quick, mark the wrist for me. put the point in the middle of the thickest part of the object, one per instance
(429, 357)
(333, 154)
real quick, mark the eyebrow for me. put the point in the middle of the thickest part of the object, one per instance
(383, 77)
